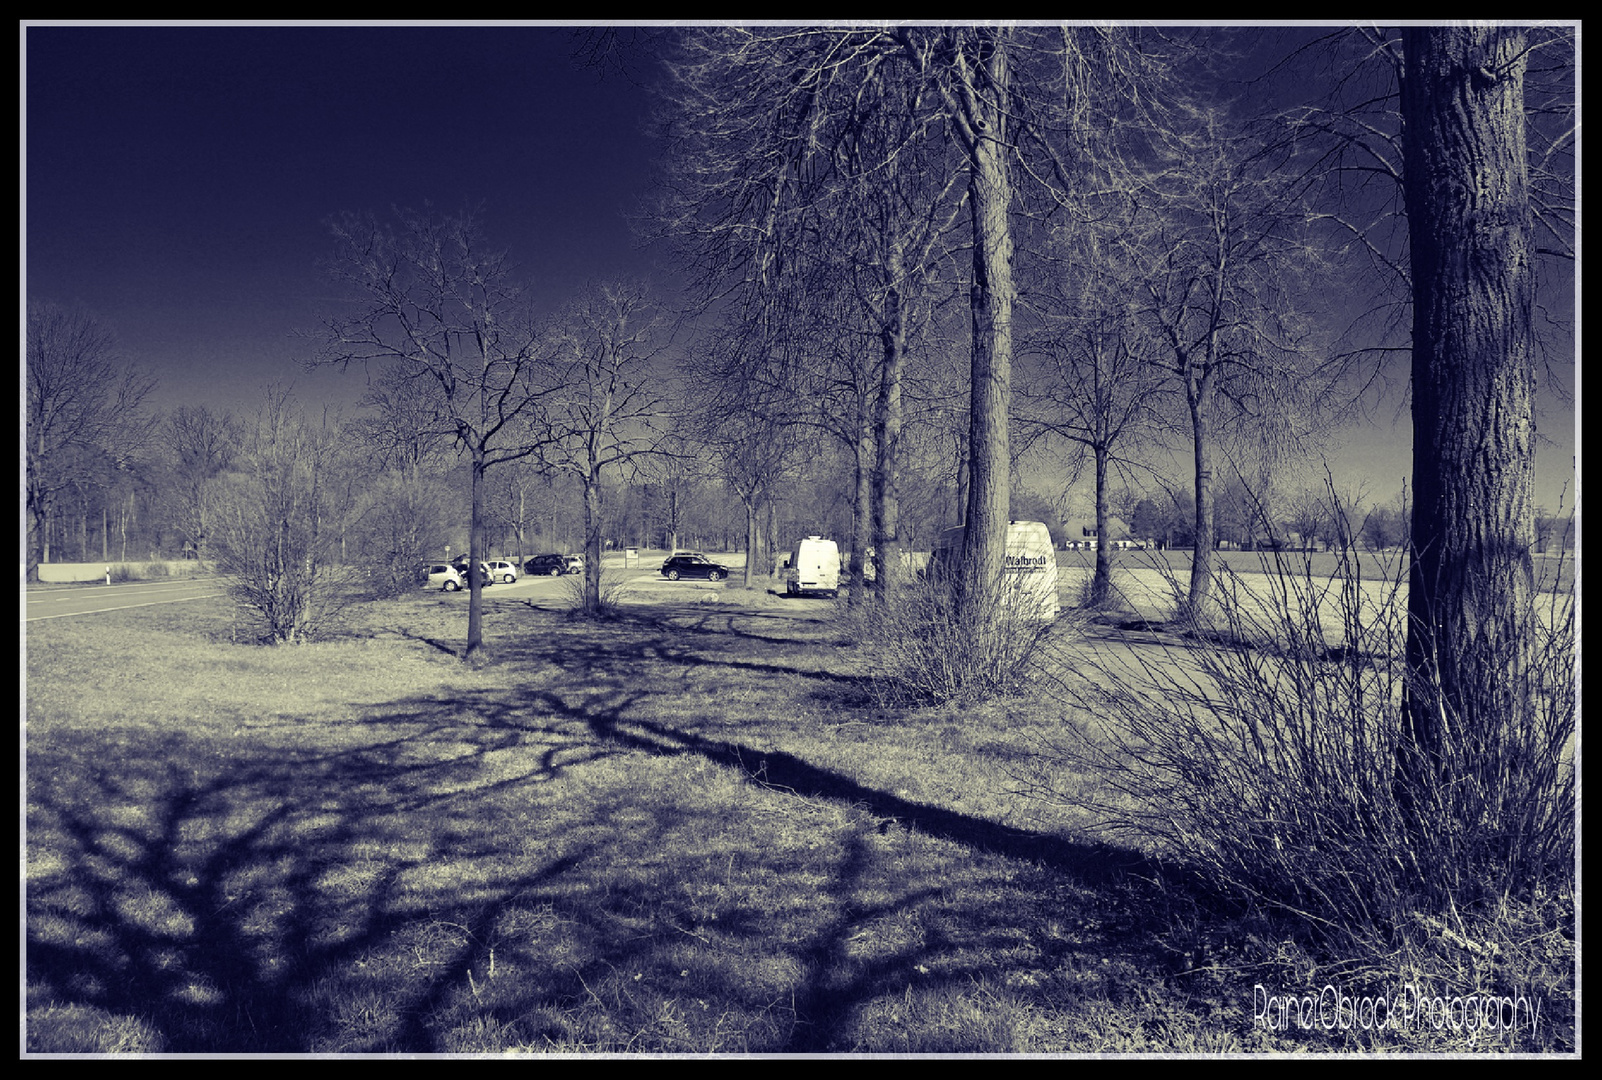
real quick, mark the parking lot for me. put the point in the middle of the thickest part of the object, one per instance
(641, 580)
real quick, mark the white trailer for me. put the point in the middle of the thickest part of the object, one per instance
(1029, 567)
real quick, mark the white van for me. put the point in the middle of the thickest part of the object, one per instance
(813, 567)
(1029, 567)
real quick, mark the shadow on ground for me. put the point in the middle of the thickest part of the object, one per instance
(566, 861)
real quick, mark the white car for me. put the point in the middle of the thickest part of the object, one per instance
(444, 576)
(575, 563)
(503, 571)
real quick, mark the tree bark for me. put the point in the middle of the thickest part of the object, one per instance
(887, 424)
(475, 555)
(1206, 522)
(991, 298)
(753, 537)
(1471, 577)
(861, 590)
(592, 539)
(1101, 581)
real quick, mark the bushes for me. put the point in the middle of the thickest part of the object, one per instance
(147, 571)
(1268, 759)
(608, 599)
(920, 650)
(274, 524)
(399, 573)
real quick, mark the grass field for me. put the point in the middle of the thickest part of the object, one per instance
(684, 830)
(1554, 572)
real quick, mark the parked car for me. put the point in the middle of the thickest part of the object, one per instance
(575, 563)
(693, 566)
(546, 566)
(502, 570)
(444, 576)
(461, 563)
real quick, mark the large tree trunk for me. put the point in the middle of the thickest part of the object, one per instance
(753, 536)
(770, 551)
(475, 555)
(1206, 527)
(38, 545)
(990, 463)
(887, 432)
(592, 539)
(861, 517)
(1470, 577)
(1101, 581)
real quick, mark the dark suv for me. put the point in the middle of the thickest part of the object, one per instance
(693, 566)
(546, 566)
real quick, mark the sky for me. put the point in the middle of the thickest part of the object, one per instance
(177, 181)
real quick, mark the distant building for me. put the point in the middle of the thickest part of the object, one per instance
(1081, 535)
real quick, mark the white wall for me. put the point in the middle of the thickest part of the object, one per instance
(96, 571)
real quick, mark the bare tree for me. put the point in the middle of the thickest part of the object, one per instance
(1308, 514)
(812, 192)
(513, 496)
(406, 426)
(896, 211)
(276, 524)
(1221, 238)
(398, 521)
(1026, 102)
(1089, 380)
(1471, 577)
(602, 404)
(1475, 127)
(202, 447)
(81, 398)
(756, 456)
(434, 303)
(972, 69)
(758, 185)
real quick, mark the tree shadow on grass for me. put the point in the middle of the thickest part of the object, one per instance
(211, 893)
(546, 864)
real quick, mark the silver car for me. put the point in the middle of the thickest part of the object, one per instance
(444, 576)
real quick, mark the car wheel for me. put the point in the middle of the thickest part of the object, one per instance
(556, 573)
(673, 575)
(451, 586)
(506, 579)
(714, 576)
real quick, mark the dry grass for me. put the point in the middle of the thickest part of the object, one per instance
(681, 830)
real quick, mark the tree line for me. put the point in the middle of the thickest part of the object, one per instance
(921, 264)
(968, 245)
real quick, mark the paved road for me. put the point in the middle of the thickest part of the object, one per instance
(62, 601)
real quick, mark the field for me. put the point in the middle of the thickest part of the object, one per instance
(1553, 573)
(687, 829)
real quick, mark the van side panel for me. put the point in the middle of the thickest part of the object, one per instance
(1032, 562)
(1029, 565)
